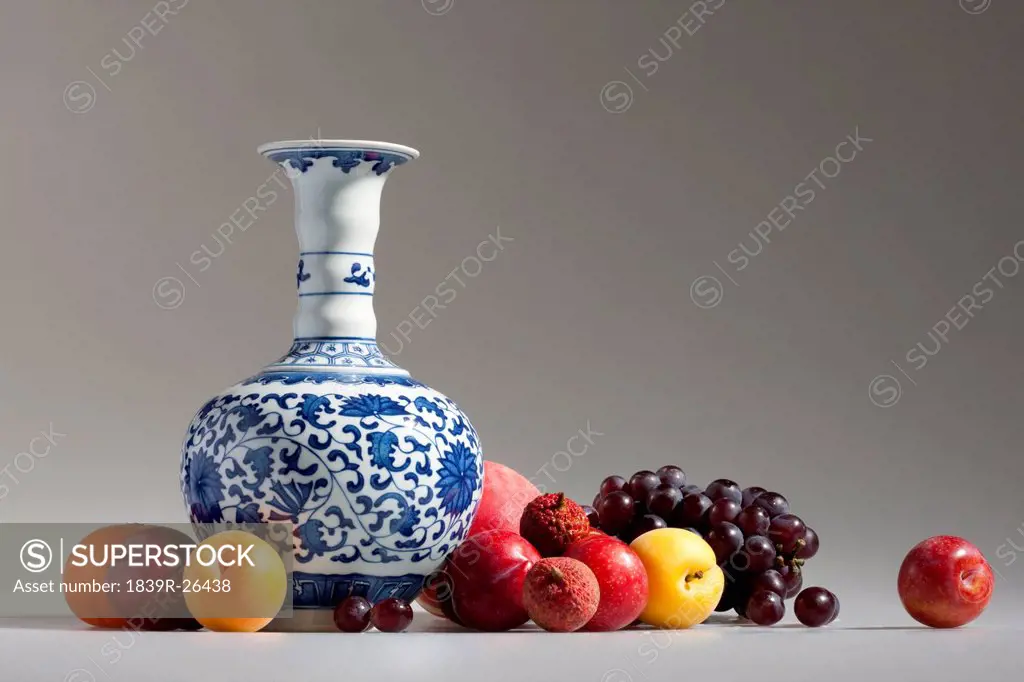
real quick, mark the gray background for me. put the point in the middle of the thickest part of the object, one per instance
(587, 316)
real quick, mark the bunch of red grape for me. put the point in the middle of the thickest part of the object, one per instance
(760, 546)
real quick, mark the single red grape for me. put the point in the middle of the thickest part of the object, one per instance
(750, 494)
(723, 487)
(641, 484)
(693, 511)
(765, 608)
(615, 511)
(759, 554)
(773, 503)
(612, 484)
(725, 538)
(769, 580)
(753, 520)
(672, 475)
(663, 499)
(723, 510)
(352, 614)
(785, 530)
(815, 607)
(391, 615)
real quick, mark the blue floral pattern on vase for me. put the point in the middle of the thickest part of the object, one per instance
(360, 276)
(301, 276)
(380, 471)
(345, 159)
(458, 478)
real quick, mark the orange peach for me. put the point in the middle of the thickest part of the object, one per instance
(233, 594)
(684, 580)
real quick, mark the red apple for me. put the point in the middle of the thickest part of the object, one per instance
(506, 494)
(945, 582)
(483, 581)
(620, 575)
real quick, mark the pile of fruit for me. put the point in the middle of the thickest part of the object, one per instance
(651, 548)
(757, 543)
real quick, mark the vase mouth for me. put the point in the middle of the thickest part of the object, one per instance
(338, 145)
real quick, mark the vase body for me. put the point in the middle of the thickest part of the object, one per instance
(380, 474)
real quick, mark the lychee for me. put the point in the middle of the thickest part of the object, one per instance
(561, 594)
(551, 522)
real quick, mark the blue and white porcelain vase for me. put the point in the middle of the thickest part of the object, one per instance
(380, 474)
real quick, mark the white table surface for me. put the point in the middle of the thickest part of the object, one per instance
(868, 643)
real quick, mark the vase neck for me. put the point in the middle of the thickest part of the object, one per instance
(337, 216)
(337, 187)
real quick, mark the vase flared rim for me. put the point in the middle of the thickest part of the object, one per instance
(338, 145)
